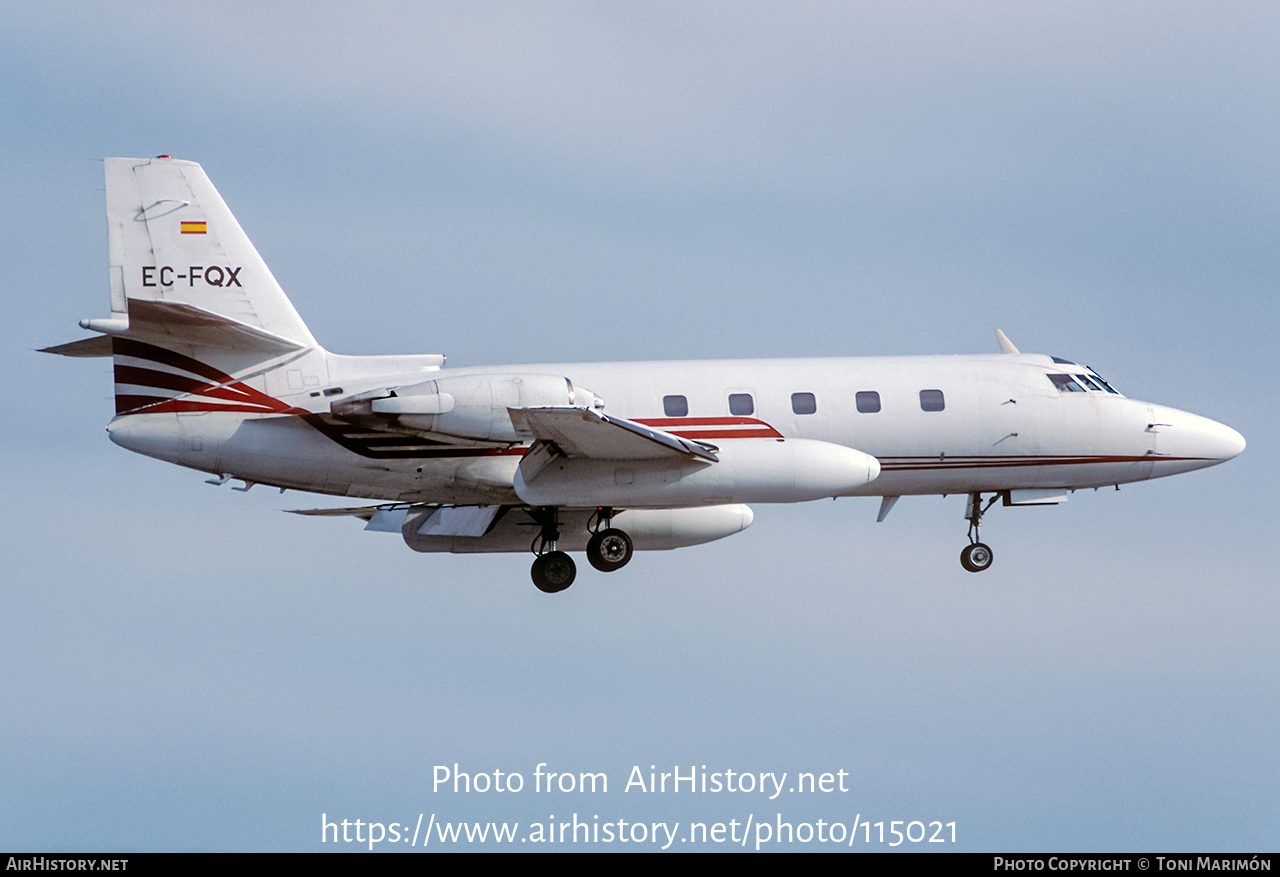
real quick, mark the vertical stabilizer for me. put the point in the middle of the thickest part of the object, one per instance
(173, 241)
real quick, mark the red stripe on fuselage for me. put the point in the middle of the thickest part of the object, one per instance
(222, 385)
(768, 432)
(687, 427)
(934, 464)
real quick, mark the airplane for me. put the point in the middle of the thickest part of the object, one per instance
(216, 371)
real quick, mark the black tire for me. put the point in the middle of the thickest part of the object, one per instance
(553, 572)
(976, 557)
(609, 550)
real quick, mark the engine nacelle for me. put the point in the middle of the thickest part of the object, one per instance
(471, 407)
(749, 470)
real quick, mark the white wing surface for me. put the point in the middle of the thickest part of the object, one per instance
(584, 432)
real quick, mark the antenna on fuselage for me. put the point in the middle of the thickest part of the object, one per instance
(1006, 346)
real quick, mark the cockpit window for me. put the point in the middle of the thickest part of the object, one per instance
(1097, 377)
(1066, 384)
(1090, 381)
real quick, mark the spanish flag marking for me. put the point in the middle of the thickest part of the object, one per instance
(193, 228)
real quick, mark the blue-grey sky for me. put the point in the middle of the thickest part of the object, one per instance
(186, 668)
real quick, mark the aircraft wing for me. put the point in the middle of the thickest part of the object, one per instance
(364, 512)
(472, 521)
(584, 432)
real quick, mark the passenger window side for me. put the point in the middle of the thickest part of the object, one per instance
(932, 400)
(804, 403)
(741, 404)
(868, 401)
(675, 406)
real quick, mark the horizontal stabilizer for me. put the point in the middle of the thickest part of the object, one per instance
(163, 320)
(99, 345)
(584, 432)
(167, 323)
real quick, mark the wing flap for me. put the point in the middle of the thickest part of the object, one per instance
(584, 432)
(459, 521)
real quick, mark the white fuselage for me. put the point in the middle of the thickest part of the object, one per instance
(936, 424)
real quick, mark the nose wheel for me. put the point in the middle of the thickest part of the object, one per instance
(976, 556)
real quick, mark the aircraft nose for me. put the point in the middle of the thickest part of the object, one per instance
(1229, 442)
(1214, 440)
(1193, 437)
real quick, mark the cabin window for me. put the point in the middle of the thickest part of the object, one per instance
(1066, 384)
(675, 406)
(868, 401)
(741, 404)
(804, 403)
(932, 400)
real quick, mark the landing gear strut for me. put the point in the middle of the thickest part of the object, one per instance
(608, 549)
(553, 570)
(976, 556)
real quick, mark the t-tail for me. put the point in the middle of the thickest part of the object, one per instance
(197, 320)
(193, 305)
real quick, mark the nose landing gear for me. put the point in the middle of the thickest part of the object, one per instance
(976, 556)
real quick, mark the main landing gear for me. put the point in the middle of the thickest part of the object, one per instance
(554, 570)
(976, 556)
(608, 549)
